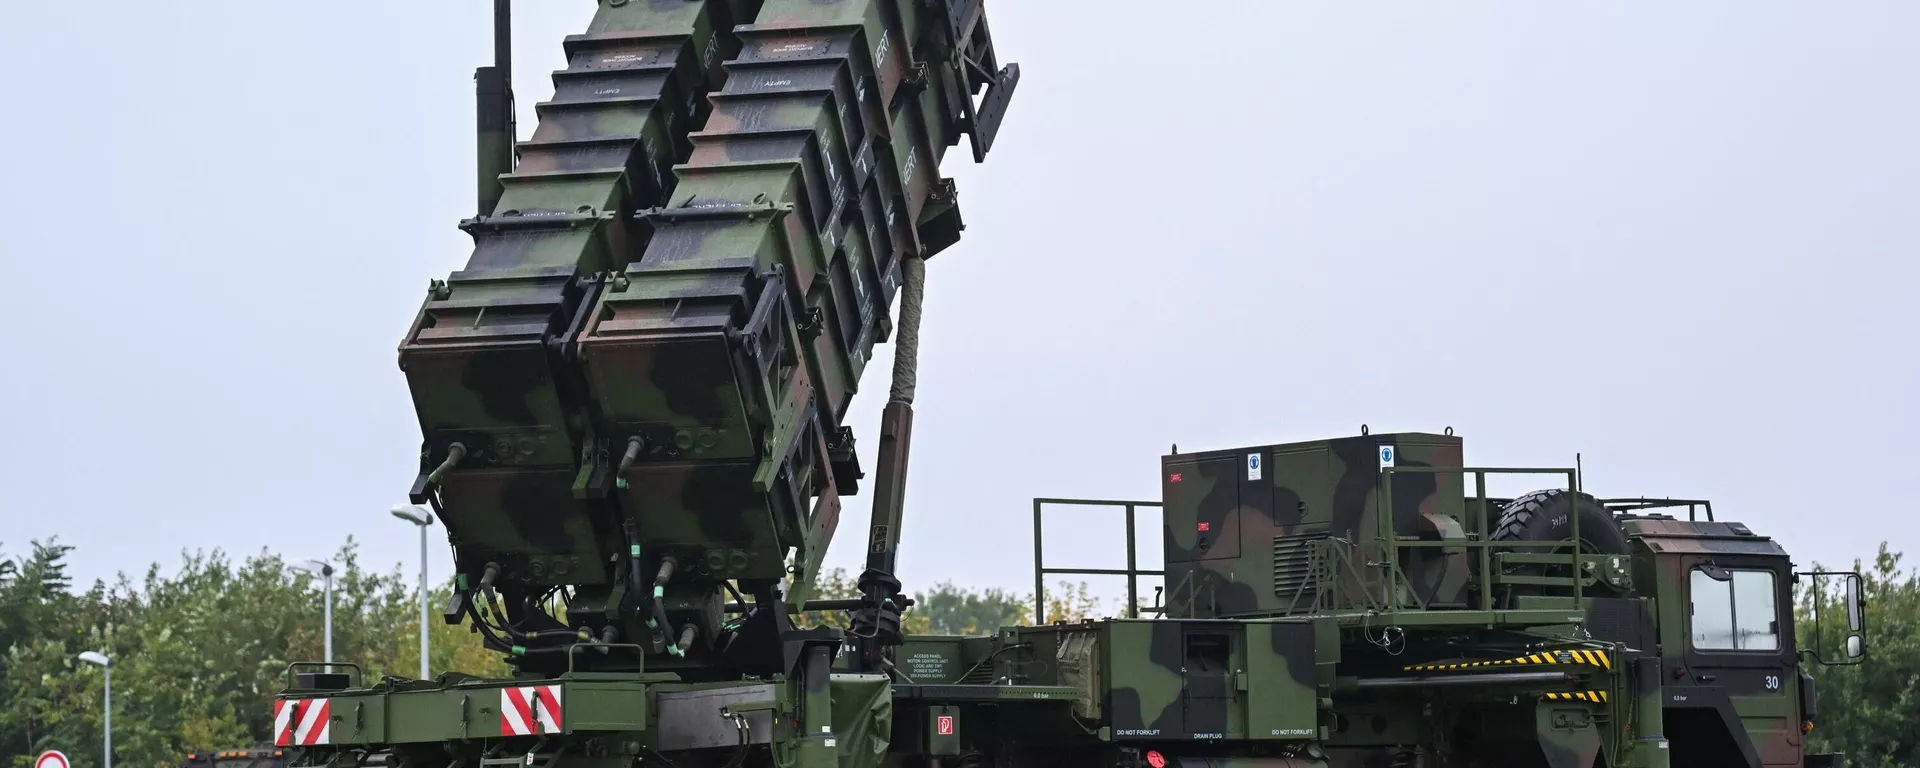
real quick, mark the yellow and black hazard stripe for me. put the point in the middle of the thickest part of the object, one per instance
(1595, 697)
(1600, 659)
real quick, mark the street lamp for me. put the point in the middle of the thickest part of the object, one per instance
(106, 726)
(326, 575)
(420, 517)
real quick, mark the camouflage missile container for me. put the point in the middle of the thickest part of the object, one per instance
(633, 396)
(492, 360)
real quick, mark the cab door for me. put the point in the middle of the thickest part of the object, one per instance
(1740, 653)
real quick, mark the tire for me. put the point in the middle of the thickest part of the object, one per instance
(1547, 516)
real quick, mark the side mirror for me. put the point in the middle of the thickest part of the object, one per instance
(1832, 642)
(1856, 605)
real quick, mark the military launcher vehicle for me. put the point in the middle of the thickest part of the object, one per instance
(633, 402)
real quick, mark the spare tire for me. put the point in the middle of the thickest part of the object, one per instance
(1547, 517)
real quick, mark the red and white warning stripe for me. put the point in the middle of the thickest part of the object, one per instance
(529, 710)
(301, 722)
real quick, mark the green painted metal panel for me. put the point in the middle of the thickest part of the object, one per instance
(1282, 701)
(358, 719)
(424, 716)
(943, 731)
(606, 706)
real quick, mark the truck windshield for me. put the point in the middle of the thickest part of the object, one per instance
(1738, 614)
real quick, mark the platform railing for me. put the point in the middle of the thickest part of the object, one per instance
(1477, 537)
(1132, 571)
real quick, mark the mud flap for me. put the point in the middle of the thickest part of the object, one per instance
(1566, 734)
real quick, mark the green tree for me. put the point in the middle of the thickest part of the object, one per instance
(40, 631)
(829, 584)
(948, 609)
(198, 654)
(1870, 711)
(951, 610)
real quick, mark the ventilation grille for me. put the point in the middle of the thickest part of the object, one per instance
(1298, 571)
(1618, 620)
(978, 674)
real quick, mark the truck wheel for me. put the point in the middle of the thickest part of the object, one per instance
(1547, 517)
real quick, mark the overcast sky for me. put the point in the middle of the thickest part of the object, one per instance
(1677, 239)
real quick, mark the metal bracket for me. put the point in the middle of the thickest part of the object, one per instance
(985, 119)
(705, 212)
(810, 322)
(961, 16)
(523, 220)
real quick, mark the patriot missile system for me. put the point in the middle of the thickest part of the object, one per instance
(634, 403)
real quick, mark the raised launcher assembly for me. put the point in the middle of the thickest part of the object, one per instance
(633, 396)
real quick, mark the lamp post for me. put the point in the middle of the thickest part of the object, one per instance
(423, 519)
(106, 725)
(326, 576)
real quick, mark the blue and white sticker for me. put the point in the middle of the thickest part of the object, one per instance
(1253, 466)
(1386, 455)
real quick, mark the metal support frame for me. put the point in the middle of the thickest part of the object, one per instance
(1478, 536)
(1132, 571)
(1694, 506)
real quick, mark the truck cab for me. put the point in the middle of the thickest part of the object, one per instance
(1734, 692)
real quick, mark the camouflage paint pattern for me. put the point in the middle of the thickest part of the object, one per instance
(1250, 532)
(650, 355)
(1166, 680)
(1440, 686)
(666, 314)
(1752, 699)
(1231, 518)
(731, 347)
(486, 358)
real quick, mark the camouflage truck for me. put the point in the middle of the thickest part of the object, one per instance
(1345, 603)
(1362, 601)
(633, 403)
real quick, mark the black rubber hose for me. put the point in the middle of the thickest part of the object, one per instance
(737, 599)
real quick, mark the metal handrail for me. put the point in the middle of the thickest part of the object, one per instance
(573, 652)
(1694, 506)
(1132, 571)
(1478, 536)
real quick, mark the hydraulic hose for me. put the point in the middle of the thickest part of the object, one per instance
(455, 454)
